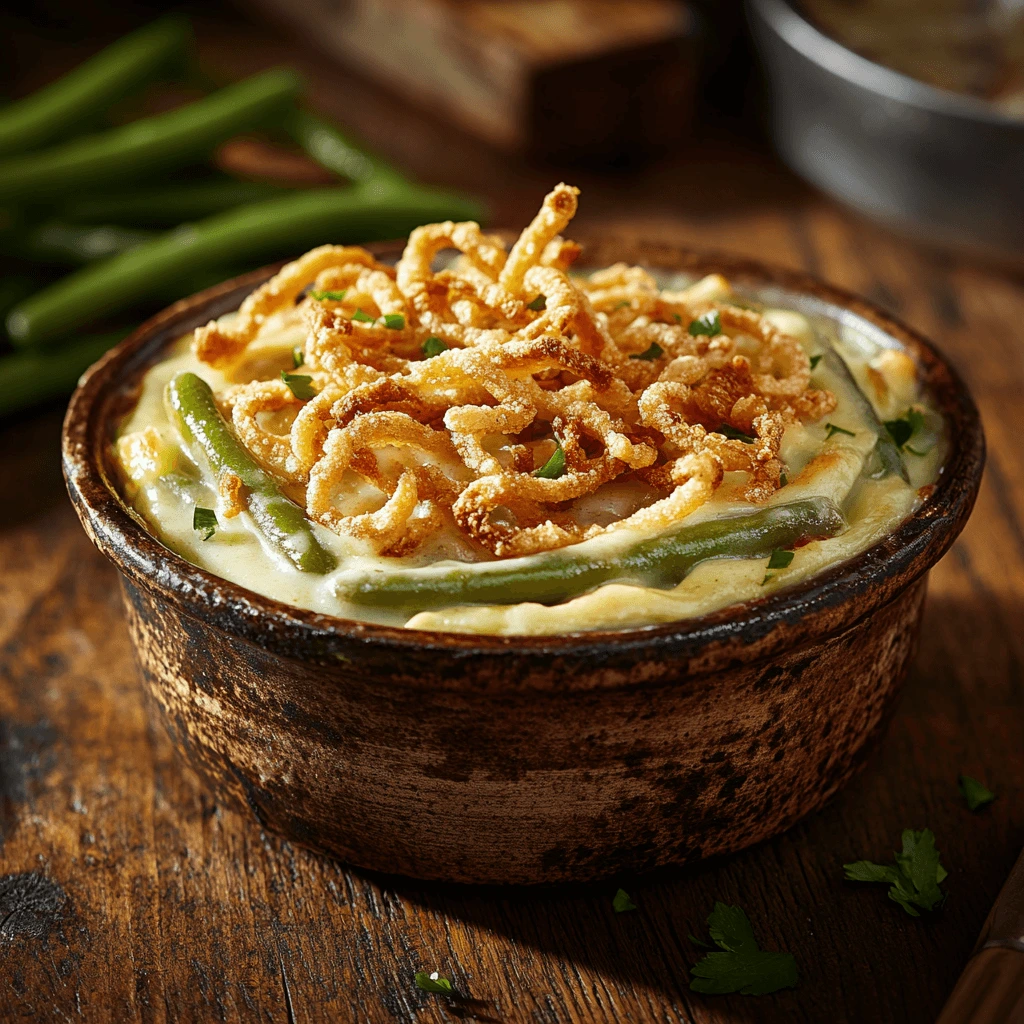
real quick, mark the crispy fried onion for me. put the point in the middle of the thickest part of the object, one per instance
(489, 393)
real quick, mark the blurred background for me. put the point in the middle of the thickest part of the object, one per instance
(191, 142)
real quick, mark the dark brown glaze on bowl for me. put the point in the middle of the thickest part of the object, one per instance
(521, 759)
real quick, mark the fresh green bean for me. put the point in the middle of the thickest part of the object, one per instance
(28, 378)
(249, 233)
(74, 245)
(166, 205)
(193, 408)
(332, 149)
(53, 111)
(151, 144)
(555, 576)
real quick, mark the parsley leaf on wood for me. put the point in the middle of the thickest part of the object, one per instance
(976, 794)
(914, 877)
(299, 384)
(433, 982)
(204, 521)
(710, 325)
(740, 966)
(654, 352)
(621, 902)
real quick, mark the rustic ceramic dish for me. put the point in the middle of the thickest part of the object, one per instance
(522, 759)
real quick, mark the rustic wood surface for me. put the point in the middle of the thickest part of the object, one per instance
(127, 894)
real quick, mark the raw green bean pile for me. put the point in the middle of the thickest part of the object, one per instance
(138, 216)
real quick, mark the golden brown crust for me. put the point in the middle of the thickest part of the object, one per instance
(518, 353)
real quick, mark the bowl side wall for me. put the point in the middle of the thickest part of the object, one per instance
(471, 785)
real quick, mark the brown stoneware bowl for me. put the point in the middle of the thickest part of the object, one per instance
(522, 759)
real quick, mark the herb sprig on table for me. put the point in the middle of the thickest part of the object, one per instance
(914, 876)
(739, 965)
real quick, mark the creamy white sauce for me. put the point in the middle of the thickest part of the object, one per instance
(166, 491)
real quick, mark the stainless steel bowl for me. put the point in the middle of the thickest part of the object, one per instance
(943, 167)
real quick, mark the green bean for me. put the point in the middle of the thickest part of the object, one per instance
(152, 144)
(166, 205)
(260, 231)
(55, 110)
(192, 407)
(332, 149)
(889, 458)
(554, 576)
(28, 378)
(74, 245)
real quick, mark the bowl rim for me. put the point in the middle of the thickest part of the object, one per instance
(739, 632)
(803, 36)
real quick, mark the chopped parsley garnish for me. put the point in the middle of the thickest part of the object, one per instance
(710, 324)
(976, 794)
(363, 318)
(555, 466)
(783, 479)
(833, 430)
(904, 428)
(815, 360)
(679, 318)
(298, 356)
(622, 304)
(914, 876)
(621, 903)
(330, 296)
(740, 966)
(299, 384)
(654, 352)
(539, 303)
(433, 347)
(433, 982)
(735, 435)
(779, 560)
(394, 321)
(204, 521)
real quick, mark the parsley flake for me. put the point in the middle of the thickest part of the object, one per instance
(815, 360)
(903, 429)
(833, 430)
(328, 296)
(394, 321)
(539, 303)
(780, 559)
(679, 318)
(621, 903)
(654, 352)
(975, 793)
(914, 876)
(621, 304)
(298, 356)
(710, 325)
(363, 318)
(299, 384)
(740, 966)
(204, 521)
(555, 466)
(433, 347)
(734, 435)
(783, 479)
(433, 982)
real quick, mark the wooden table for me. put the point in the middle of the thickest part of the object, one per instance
(130, 895)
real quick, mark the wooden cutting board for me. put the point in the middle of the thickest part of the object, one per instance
(589, 80)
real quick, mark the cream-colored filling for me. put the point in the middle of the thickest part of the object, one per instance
(165, 486)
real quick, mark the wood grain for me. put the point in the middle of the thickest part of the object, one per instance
(128, 895)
